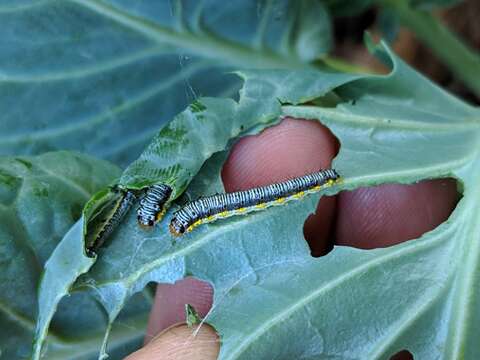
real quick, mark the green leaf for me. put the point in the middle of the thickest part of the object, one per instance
(191, 316)
(394, 128)
(174, 157)
(178, 151)
(101, 76)
(40, 198)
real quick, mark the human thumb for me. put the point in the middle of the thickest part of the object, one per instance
(181, 342)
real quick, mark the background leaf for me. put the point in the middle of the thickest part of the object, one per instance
(461, 59)
(40, 198)
(103, 76)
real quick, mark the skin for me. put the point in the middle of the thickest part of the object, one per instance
(366, 218)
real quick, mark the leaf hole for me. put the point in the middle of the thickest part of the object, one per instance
(380, 216)
(319, 227)
(402, 355)
(388, 214)
(173, 297)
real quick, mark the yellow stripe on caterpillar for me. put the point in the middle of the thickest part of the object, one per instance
(298, 195)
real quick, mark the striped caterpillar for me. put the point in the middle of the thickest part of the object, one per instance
(116, 205)
(108, 218)
(153, 205)
(219, 206)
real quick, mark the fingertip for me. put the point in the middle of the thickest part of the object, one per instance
(389, 214)
(179, 342)
(170, 299)
(292, 148)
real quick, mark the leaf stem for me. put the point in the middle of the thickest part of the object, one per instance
(463, 61)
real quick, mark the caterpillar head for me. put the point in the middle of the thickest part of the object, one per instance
(146, 221)
(177, 227)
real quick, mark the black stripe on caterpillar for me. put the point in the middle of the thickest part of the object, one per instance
(219, 206)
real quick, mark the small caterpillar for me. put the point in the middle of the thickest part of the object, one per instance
(152, 206)
(219, 206)
(111, 217)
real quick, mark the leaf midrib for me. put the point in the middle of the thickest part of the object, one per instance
(207, 45)
(23, 7)
(85, 71)
(108, 114)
